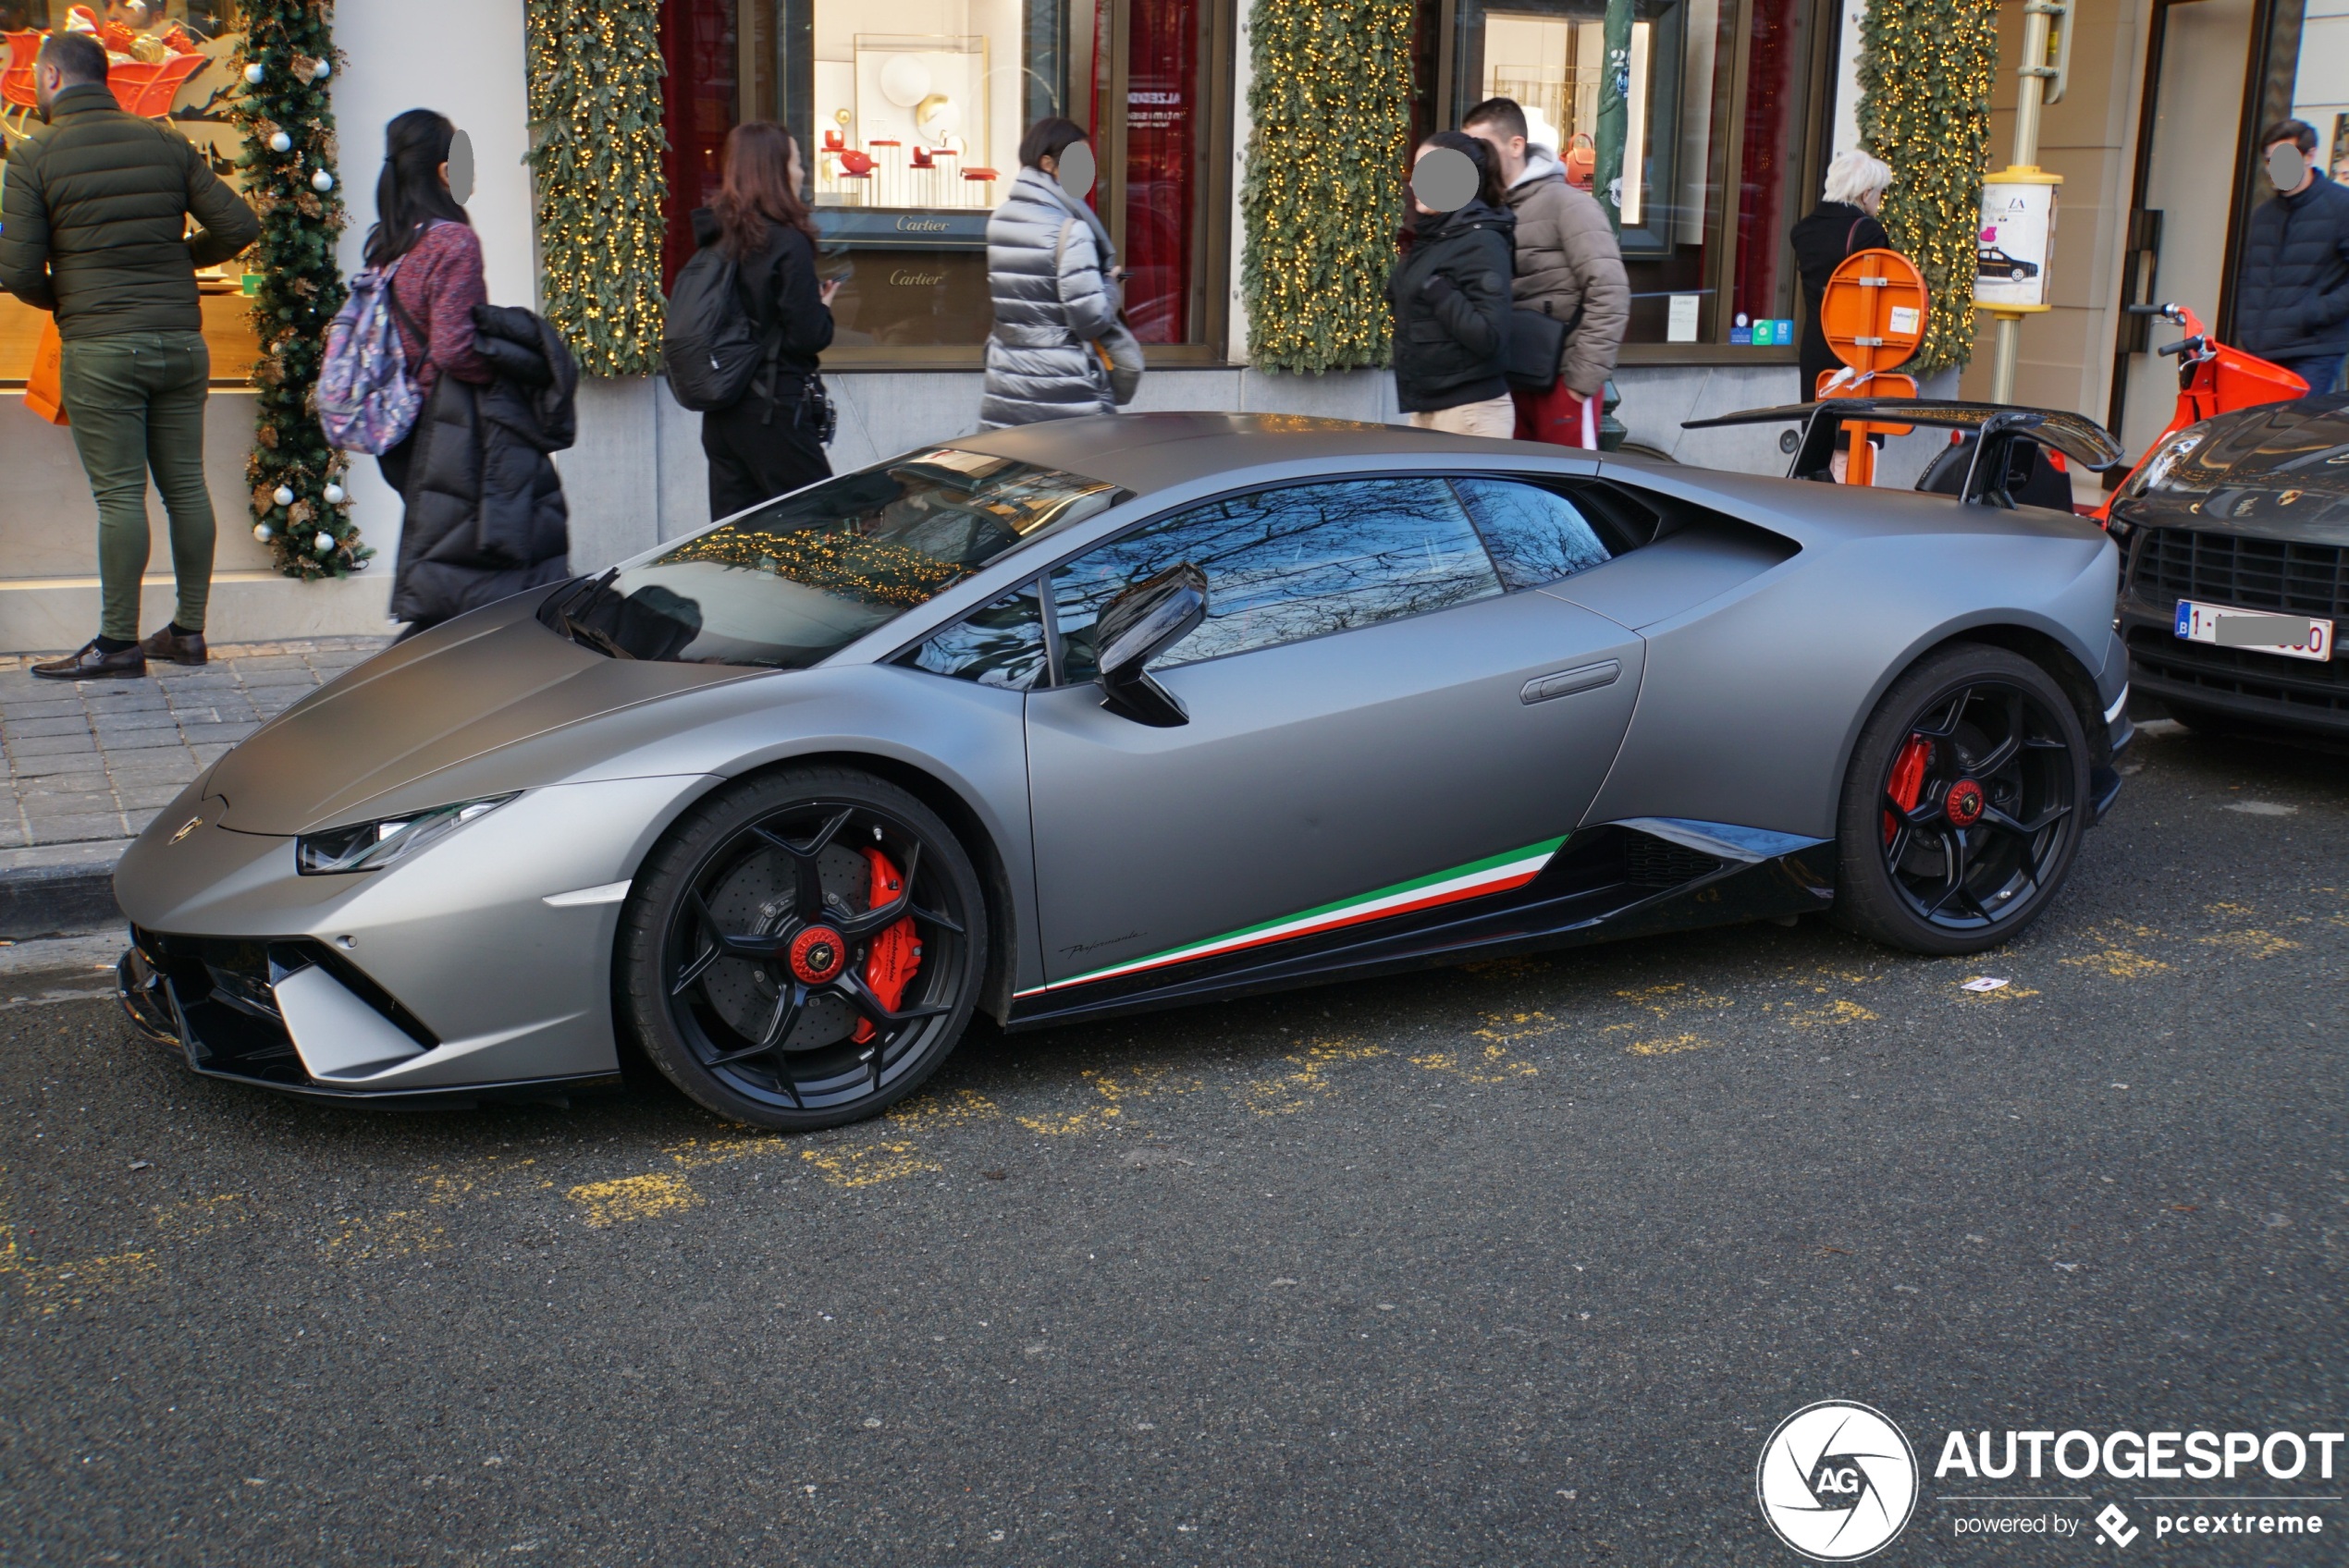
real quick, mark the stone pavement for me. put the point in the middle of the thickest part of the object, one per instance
(94, 759)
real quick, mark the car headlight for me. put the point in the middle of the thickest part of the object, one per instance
(2164, 457)
(371, 846)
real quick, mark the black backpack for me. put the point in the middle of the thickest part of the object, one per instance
(710, 347)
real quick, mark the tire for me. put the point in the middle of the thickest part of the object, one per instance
(1977, 747)
(755, 948)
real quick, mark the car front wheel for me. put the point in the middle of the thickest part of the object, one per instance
(803, 950)
(1965, 803)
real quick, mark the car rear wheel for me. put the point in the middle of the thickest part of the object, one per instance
(803, 950)
(1964, 804)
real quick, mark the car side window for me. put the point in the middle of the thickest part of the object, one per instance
(997, 644)
(1536, 535)
(1287, 564)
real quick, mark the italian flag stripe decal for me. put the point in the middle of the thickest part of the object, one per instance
(1496, 875)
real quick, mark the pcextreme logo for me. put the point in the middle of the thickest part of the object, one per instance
(1837, 1481)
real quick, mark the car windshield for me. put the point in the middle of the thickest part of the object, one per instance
(802, 577)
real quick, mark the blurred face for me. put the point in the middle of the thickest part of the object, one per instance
(1510, 150)
(46, 84)
(794, 176)
(1872, 203)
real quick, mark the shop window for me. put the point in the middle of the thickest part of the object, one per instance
(909, 115)
(1691, 73)
(171, 60)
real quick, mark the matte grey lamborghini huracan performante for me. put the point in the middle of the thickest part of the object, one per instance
(1104, 714)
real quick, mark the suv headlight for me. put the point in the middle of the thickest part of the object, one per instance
(371, 846)
(2163, 457)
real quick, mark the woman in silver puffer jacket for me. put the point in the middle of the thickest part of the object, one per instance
(1053, 277)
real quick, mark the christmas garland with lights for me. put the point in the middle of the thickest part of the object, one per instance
(298, 506)
(595, 148)
(1322, 194)
(1926, 72)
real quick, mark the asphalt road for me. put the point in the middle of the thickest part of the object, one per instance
(1514, 1264)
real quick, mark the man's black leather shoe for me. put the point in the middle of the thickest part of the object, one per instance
(91, 664)
(169, 646)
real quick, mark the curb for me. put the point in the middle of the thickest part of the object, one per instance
(58, 890)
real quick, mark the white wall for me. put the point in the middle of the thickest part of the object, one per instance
(466, 59)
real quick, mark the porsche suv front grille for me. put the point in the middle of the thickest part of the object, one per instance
(2313, 688)
(2282, 575)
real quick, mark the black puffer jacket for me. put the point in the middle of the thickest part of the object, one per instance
(1451, 298)
(486, 511)
(2294, 301)
(1821, 243)
(96, 222)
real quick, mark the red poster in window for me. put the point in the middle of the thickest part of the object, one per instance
(1770, 100)
(1161, 162)
(698, 108)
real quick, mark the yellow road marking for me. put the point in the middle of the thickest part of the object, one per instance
(636, 1197)
(2118, 963)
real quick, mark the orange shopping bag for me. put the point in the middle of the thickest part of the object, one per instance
(41, 393)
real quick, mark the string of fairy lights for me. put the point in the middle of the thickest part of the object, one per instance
(1330, 99)
(596, 151)
(1927, 67)
(300, 507)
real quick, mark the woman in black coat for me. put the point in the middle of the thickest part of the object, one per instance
(1845, 222)
(486, 514)
(772, 442)
(1451, 299)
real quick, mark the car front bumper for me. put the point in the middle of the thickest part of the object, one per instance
(2309, 696)
(480, 968)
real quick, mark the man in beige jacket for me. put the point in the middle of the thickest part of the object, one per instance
(1569, 265)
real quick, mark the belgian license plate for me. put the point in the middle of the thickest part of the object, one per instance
(2293, 636)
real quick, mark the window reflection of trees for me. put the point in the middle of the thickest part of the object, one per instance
(1288, 564)
(1000, 646)
(1536, 535)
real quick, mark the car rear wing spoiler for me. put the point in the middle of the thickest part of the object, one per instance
(1997, 427)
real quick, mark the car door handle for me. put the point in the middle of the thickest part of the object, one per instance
(1566, 682)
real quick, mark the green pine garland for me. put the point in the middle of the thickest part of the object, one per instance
(1323, 190)
(595, 149)
(1926, 73)
(297, 478)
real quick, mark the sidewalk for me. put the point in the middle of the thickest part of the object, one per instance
(90, 762)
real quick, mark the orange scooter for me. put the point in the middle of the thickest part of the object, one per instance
(2213, 379)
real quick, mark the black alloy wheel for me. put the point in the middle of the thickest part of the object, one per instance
(1964, 805)
(803, 949)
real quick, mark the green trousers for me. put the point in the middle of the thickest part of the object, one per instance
(136, 400)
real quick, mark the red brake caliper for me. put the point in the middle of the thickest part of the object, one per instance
(1908, 781)
(896, 954)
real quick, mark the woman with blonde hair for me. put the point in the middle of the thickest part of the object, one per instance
(1844, 221)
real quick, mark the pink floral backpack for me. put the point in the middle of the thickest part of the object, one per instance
(367, 401)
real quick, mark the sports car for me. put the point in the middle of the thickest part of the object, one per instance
(1080, 718)
(2236, 532)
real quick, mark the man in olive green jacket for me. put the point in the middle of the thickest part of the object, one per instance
(94, 227)
(1569, 265)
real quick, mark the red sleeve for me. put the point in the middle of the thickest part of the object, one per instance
(438, 285)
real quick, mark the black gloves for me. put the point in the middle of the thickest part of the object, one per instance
(1437, 289)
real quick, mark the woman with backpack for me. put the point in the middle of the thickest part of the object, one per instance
(1452, 300)
(1841, 224)
(425, 247)
(771, 441)
(1059, 349)
(486, 401)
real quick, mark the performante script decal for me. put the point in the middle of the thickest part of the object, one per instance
(1496, 875)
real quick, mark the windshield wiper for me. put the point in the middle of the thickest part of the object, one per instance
(587, 635)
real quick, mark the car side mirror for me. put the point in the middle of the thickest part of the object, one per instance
(1137, 626)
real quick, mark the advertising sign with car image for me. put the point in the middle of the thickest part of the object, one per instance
(2016, 240)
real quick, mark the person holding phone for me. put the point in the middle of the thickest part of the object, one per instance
(773, 442)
